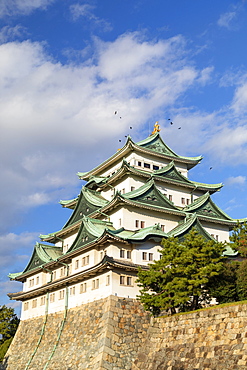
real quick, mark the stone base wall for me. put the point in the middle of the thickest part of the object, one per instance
(115, 334)
(214, 339)
(105, 334)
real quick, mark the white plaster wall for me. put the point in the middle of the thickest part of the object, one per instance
(150, 218)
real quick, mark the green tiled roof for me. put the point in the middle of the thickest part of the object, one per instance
(155, 143)
(88, 202)
(204, 206)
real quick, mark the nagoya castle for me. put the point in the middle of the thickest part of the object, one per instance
(79, 277)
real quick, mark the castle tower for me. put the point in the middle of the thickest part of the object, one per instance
(130, 202)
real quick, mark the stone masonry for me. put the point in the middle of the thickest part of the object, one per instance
(116, 334)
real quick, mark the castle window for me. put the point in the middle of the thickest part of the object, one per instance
(155, 167)
(122, 280)
(162, 227)
(129, 280)
(34, 303)
(72, 290)
(61, 294)
(107, 279)
(144, 256)
(85, 261)
(26, 306)
(137, 223)
(123, 191)
(52, 297)
(120, 222)
(132, 188)
(129, 254)
(183, 200)
(76, 264)
(37, 280)
(146, 165)
(95, 284)
(63, 271)
(150, 256)
(83, 288)
(31, 282)
(217, 237)
(42, 301)
(53, 275)
(187, 202)
(170, 197)
(70, 268)
(122, 253)
(142, 224)
(139, 164)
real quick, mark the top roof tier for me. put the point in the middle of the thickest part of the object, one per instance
(152, 145)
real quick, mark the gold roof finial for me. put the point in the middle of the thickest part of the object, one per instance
(156, 128)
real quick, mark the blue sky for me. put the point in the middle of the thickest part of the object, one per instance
(66, 66)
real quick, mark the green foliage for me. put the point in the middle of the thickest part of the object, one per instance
(242, 280)
(8, 326)
(180, 279)
(223, 287)
(239, 238)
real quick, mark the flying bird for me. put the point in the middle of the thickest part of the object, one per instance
(131, 128)
(115, 112)
(210, 168)
(120, 141)
(171, 123)
(179, 128)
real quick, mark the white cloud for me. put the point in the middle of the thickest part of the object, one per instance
(237, 180)
(226, 19)
(14, 7)
(8, 33)
(239, 104)
(53, 115)
(87, 11)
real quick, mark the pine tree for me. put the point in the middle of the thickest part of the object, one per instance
(239, 238)
(180, 279)
(8, 326)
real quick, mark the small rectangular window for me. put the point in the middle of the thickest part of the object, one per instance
(170, 197)
(26, 306)
(129, 254)
(217, 237)
(129, 280)
(61, 294)
(54, 274)
(137, 223)
(132, 188)
(37, 280)
(150, 256)
(142, 224)
(72, 290)
(108, 280)
(147, 165)
(122, 253)
(87, 260)
(187, 202)
(34, 303)
(52, 297)
(139, 164)
(144, 256)
(76, 264)
(122, 280)
(83, 288)
(155, 167)
(123, 191)
(42, 301)
(163, 227)
(183, 200)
